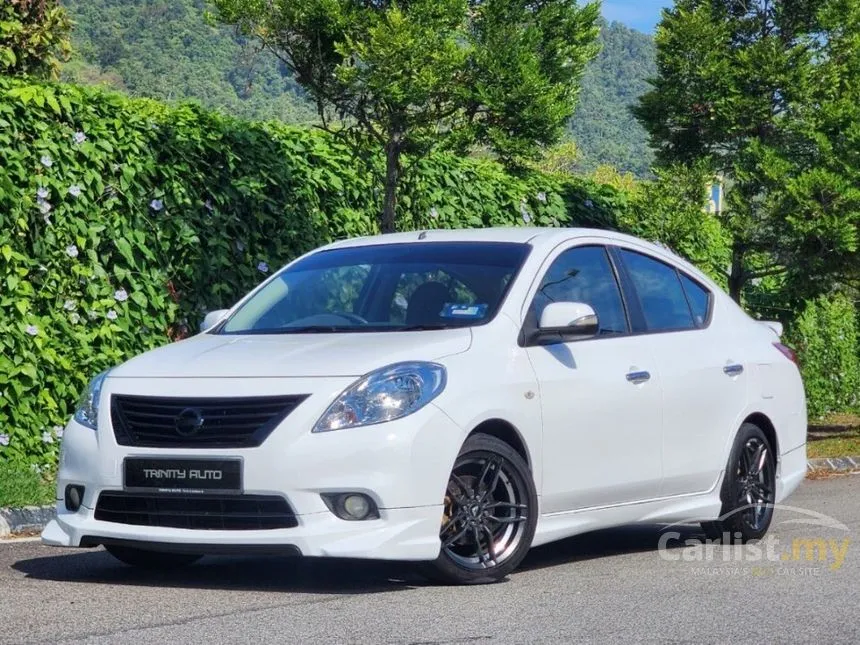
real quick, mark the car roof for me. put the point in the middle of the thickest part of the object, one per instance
(543, 238)
(520, 234)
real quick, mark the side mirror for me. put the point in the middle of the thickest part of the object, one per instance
(213, 318)
(566, 321)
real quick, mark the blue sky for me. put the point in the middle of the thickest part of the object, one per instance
(638, 14)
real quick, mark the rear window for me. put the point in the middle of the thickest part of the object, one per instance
(699, 299)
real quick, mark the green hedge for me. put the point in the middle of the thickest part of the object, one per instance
(827, 339)
(122, 221)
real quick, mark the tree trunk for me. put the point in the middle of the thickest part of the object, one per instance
(392, 177)
(737, 277)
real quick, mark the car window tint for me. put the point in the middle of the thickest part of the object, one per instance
(584, 274)
(660, 293)
(699, 299)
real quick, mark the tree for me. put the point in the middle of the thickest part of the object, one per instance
(765, 93)
(412, 75)
(34, 37)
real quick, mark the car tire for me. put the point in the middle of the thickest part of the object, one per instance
(748, 492)
(490, 514)
(144, 559)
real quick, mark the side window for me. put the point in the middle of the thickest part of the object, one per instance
(660, 293)
(584, 274)
(699, 299)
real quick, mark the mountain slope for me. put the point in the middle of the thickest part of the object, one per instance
(603, 128)
(165, 49)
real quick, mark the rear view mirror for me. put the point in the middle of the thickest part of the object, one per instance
(567, 321)
(213, 318)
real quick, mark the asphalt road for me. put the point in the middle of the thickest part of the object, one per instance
(610, 586)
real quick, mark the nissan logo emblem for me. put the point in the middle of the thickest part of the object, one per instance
(189, 422)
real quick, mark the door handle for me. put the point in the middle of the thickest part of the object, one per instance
(734, 369)
(638, 377)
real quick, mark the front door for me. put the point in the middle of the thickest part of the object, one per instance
(600, 397)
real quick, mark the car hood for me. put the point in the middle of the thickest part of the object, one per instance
(292, 355)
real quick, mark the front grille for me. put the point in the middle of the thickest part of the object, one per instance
(202, 512)
(156, 422)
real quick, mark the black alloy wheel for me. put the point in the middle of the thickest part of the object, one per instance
(489, 516)
(749, 489)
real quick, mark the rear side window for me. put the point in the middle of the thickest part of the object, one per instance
(661, 295)
(699, 299)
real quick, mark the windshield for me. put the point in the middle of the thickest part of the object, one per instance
(392, 287)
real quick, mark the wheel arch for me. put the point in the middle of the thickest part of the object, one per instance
(507, 432)
(763, 422)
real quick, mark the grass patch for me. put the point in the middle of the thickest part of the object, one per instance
(836, 435)
(845, 444)
(21, 486)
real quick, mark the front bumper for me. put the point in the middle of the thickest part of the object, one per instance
(403, 465)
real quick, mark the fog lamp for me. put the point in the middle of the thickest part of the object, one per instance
(353, 507)
(74, 497)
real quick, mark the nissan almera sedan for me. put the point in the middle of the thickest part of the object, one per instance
(450, 397)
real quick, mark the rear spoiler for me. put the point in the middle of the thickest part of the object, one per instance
(775, 327)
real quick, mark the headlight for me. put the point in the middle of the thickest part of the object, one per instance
(384, 395)
(87, 412)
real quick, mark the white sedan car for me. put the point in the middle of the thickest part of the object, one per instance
(451, 397)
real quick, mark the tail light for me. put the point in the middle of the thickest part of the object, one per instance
(789, 353)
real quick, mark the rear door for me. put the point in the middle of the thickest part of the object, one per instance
(600, 398)
(702, 371)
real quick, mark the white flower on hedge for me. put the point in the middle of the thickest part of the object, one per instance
(240, 246)
(75, 190)
(58, 431)
(47, 437)
(32, 330)
(46, 161)
(42, 193)
(262, 267)
(541, 196)
(524, 212)
(75, 318)
(69, 305)
(589, 203)
(434, 213)
(72, 251)
(111, 315)
(4, 439)
(156, 205)
(92, 315)
(44, 206)
(208, 205)
(79, 137)
(120, 295)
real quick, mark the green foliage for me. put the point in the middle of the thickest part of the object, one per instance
(34, 37)
(22, 485)
(408, 77)
(165, 49)
(827, 338)
(603, 126)
(768, 95)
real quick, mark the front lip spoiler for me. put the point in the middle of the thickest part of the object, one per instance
(90, 541)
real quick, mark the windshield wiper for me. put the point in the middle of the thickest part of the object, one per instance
(305, 329)
(425, 327)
